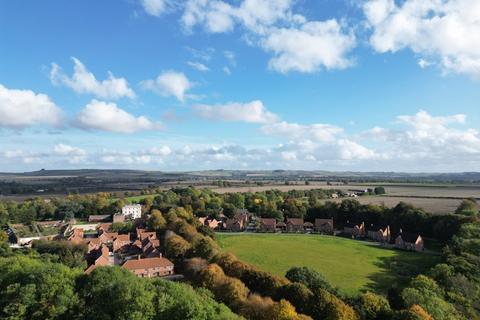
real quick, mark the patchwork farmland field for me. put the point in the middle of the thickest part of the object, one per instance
(434, 198)
(351, 265)
(433, 205)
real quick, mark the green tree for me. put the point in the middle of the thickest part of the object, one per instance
(425, 292)
(176, 247)
(3, 236)
(156, 221)
(176, 301)
(374, 306)
(35, 289)
(298, 294)
(204, 247)
(467, 207)
(313, 279)
(70, 254)
(116, 294)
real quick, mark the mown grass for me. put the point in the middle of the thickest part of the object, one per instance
(353, 266)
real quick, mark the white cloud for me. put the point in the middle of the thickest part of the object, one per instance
(297, 44)
(318, 132)
(289, 155)
(162, 151)
(198, 66)
(227, 70)
(423, 63)
(252, 112)
(23, 108)
(219, 16)
(99, 115)
(350, 150)
(446, 31)
(231, 58)
(126, 159)
(216, 16)
(83, 81)
(423, 136)
(72, 155)
(67, 150)
(155, 7)
(422, 120)
(310, 47)
(169, 83)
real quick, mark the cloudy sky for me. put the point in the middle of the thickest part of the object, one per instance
(367, 85)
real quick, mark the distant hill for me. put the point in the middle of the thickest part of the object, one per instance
(114, 174)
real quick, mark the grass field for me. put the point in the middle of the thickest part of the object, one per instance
(351, 265)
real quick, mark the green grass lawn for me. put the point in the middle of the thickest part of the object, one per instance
(351, 265)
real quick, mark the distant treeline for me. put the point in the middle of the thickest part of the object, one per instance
(306, 204)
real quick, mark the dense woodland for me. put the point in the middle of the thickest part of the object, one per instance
(47, 282)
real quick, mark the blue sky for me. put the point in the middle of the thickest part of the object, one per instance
(247, 84)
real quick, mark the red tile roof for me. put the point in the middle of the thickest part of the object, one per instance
(99, 262)
(269, 222)
(295, 221)
(321, 222)
(147, 263)
(123, 237)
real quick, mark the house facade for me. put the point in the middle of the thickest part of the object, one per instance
(409, 241)
(268, 225)
(294, 225)
(308, 226)
(324, 225)
(239, 221)
(121, 242)
(132, 211)
(356, 230)
(380, 234)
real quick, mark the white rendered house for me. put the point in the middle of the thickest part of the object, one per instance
(133, 211)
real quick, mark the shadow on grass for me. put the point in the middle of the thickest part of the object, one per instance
(399, 269)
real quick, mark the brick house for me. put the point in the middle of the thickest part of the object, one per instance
(108, 237)
(212, 223)
(100, 258)
(380, 234)
(93, 244)
(143, 234)
(268, 225)
(308, 226)
(121, 242)
(356, 230)
(145, 245)
(104, 227)
(76, 236)
(238, 222)
(324, 225)
(151, 248)
(409, 241)
(282, 226)
(294, 225)
(149, 267)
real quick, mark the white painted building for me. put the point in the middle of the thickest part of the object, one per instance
(132, 211)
